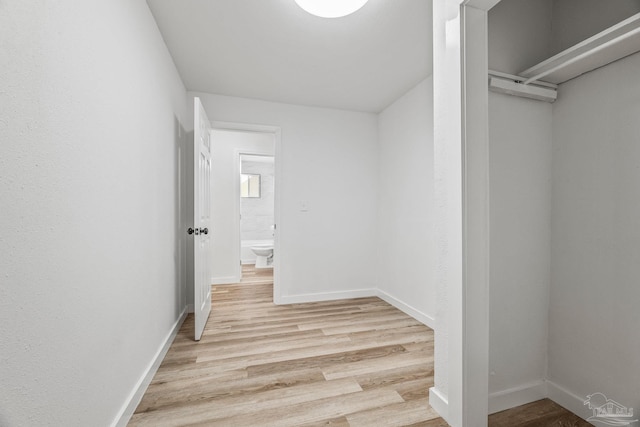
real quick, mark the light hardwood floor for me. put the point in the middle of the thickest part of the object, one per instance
(357, 362)
(354, 362)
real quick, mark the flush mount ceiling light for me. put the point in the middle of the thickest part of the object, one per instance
(331, 8)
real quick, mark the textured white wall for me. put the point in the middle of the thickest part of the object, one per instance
(225, 210)
(520, 178)
(406, 247)
(329, 161)
(91, 118)
(594, 317)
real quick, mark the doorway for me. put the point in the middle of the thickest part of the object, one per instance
(261, 146)
(257, 220)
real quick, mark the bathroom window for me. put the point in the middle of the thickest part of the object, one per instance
(249, 186)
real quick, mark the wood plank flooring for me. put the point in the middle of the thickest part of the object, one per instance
(543, 413)
(357, 362)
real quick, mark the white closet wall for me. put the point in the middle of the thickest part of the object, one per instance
(520, 187)
(594, 345)
(520, 165)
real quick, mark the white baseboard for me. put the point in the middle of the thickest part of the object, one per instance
(568, 400)
(406, 308)
(327, 296)
(516, 396)
(439, 402)
(190, 308)
(130, 405)
(225, 280)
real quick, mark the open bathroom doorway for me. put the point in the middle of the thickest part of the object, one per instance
(257, 219)
(251, 221)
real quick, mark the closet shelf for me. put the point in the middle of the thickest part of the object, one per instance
(614, 43)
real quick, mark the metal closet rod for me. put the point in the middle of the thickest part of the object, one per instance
(521, 79)
(583, 55)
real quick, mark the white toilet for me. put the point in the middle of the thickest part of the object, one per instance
(264, 255)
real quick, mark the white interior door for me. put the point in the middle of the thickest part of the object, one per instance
(202, 218)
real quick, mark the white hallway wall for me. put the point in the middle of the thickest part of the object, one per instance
(91, 240)
(329, 161)
(406, 244)
(594, 344)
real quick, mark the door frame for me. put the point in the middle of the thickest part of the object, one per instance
(460, 393)
(277, 211)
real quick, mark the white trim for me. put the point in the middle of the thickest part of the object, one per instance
(439, 402)
(243, 127)
(516, 396)
(237, 223)
(568, 400)
(130, 405)
(277, 212)
(461, 135)
(407, 309)
(476, 219)
(190, 308)
(328, 296)
(482, 4)
(228, 280)
(447, 121)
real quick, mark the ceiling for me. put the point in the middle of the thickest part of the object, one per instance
(273, 50)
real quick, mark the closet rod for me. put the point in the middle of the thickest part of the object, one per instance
(520, 79)
(583, 55)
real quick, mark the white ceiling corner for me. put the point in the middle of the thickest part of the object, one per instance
(273, 50)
